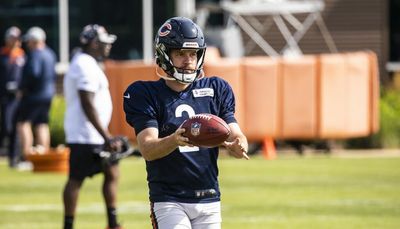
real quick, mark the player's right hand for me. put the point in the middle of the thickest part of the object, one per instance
(180, 139)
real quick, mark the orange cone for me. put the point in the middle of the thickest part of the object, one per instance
(269, 151)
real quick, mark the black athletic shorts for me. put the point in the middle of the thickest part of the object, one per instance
(84, 160)
(36, 112)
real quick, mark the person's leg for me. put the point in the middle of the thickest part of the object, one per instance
(80, 161)
(205, 216)
(24, 125)
(40, 119)
(167, 215)
(42, 133)
(26, 136)
(3, 122)
(70, 200)
(13, 149)
(110, 189)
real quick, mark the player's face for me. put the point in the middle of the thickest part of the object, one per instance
(184, 60)
(105, 49)
(13, 42)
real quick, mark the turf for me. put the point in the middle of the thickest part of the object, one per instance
(309, 192)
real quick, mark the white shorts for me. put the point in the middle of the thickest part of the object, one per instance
(172, 215)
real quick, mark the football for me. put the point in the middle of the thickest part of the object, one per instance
(206, 130)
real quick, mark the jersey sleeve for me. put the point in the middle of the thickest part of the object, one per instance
(139, 108)
(227, 101)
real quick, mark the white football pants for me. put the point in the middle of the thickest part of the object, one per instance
(172, 215)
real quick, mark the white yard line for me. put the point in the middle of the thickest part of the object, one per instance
(124, 207)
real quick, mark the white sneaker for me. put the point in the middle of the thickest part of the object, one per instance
(24, 166)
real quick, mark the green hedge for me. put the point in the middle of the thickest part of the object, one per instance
(56, 122)
(388, 135)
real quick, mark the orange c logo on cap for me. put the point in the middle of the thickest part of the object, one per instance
(165, 30)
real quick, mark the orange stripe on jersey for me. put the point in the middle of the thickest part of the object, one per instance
(153, 218)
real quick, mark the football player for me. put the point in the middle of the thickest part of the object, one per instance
(182, 178)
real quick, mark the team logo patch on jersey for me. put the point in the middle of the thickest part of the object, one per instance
(165, 30)
(195, 128)
(203, 92)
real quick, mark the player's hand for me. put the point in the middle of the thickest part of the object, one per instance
(113, 144)
(236, 149)
(180, 139)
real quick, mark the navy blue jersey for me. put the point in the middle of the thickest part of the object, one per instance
(188, 174)
(38, 80)
(11, 65)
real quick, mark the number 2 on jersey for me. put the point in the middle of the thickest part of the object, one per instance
(178, 113)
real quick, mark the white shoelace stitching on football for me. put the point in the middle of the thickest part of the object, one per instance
(203, 116)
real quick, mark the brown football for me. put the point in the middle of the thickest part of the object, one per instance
(206, 130)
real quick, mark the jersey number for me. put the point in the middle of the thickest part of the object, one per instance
(178, 113)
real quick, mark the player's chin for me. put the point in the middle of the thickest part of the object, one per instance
(106, 54)
(186, 71)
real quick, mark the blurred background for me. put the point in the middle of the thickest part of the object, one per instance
(317, 85)
(374, 25)
(242, 29)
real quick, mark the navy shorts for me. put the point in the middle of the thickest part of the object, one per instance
(84, 160)
(36, 112)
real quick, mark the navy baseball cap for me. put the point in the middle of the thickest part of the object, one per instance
(93, 31)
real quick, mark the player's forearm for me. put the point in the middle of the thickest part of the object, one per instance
(157, 148)
(93, 118)
(152, 147)
(236, 132)
(238, 145)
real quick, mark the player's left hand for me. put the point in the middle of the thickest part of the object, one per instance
(236, 149)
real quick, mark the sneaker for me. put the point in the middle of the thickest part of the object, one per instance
(24, 166)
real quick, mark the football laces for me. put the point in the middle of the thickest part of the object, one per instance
(202, 116)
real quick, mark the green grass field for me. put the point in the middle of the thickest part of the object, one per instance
(290, 192)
